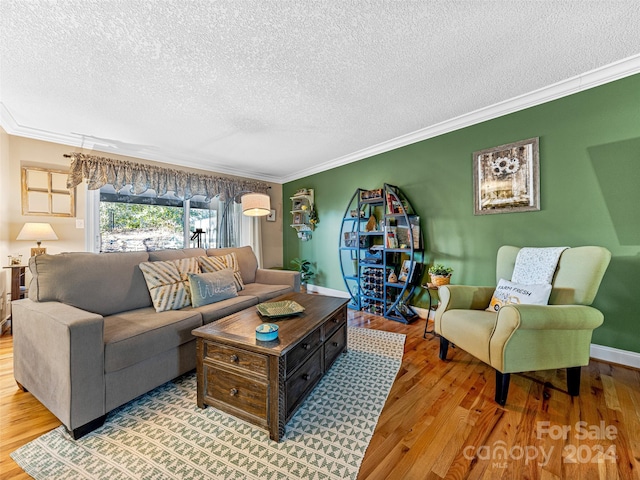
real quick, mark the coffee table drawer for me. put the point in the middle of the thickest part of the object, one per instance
(333, 347)
(303, 380)
(238, 392)
(334, 323)
(250, 361)
(302, 350)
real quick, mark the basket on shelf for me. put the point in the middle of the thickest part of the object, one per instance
(439, 280)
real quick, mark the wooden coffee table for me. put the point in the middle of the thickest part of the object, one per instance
(266, 382)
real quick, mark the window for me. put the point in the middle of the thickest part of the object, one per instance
(145, 222)
(204, 217)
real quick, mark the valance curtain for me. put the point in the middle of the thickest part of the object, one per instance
(100, 171)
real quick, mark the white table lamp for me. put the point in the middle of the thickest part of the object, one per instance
(38, 232)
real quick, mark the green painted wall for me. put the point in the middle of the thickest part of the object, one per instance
(589, 189)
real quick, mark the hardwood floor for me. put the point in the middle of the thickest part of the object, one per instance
(440, 420)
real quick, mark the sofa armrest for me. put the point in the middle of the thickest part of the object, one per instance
(58, 355)
(279, 277)
(563, 331)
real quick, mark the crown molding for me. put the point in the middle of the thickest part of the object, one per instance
(9, 124)
(600, 76)
(594, 78)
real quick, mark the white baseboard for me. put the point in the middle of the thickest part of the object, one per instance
(327, 291)
(615, 355)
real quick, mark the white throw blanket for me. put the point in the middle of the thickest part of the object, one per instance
(536, 266)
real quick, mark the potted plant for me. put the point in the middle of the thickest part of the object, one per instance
(440, 275)
(305, 267)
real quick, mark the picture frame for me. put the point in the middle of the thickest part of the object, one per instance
(297, 218)
(44, 192)
(506, 178)
(406, 272)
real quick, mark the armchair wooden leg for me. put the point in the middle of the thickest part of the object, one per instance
(573, 381)
(444, 348)
(502, 387)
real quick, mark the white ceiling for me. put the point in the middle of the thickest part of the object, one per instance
(276, 90)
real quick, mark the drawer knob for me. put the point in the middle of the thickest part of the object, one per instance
(306, 346)
(234, 358)
(305, 376)
(233, 392)
(336, 320)
(335, 344)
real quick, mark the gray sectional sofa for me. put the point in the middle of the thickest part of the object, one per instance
(88, 338)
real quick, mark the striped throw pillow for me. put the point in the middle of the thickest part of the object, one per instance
(168, 282)
(215, 264)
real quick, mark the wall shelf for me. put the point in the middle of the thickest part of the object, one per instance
(302, 206)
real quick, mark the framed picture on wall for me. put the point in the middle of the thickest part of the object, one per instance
(507, 178)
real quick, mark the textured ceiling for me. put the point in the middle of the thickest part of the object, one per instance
(277, 89)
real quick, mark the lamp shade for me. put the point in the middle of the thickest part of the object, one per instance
(256, 204)
(37, 232)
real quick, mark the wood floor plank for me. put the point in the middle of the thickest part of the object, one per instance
(440, 419)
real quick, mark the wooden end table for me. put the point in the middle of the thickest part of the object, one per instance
(265, 383)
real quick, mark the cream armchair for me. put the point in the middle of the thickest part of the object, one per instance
(521, 338)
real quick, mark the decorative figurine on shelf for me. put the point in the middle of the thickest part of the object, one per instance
(371, 224)
(393, 278)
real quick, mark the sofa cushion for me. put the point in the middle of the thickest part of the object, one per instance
(102, 283)
(222, 262)
(265, 292)
(247, 260)
(215, 311)
(134, 336)
(168, 282)
(211, 287)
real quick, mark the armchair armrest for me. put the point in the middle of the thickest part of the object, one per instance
(279, 277)
(563, 333)
(59, 357)
(461, 297)
(549, 317)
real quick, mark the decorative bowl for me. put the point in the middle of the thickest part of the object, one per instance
(266, 332)
(284, 308)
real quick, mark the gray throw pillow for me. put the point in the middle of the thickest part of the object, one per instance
(212, 287)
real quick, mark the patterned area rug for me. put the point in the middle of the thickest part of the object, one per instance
(164, 435)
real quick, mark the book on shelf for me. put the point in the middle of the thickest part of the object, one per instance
(394, 205)
(404, 237)
(390, 237)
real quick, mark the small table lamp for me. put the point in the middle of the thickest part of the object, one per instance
(37, 232)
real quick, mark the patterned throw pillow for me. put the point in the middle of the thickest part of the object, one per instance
(168, 282)
(515, 293)
(212, 287)
(215, 264)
